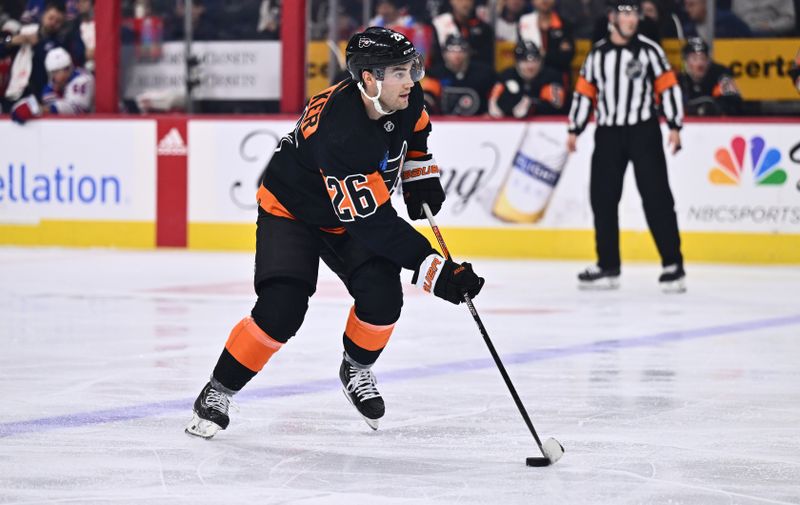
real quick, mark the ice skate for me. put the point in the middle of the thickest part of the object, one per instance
(596, 278)
(673, 279)
(358, 385)
(210, 413)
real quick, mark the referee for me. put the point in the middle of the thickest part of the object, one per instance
(624, 78)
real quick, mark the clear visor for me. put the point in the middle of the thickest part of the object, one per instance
(396, 74)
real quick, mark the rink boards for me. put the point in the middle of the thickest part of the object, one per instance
(512, 191)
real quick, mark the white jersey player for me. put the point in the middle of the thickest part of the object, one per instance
(70, 90)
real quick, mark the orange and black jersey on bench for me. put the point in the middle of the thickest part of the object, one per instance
(337, 169)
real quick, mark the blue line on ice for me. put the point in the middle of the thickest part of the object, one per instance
(158, 408)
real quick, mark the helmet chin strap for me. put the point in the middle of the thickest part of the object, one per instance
(375, 99)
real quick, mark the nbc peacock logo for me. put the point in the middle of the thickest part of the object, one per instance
(763, 163)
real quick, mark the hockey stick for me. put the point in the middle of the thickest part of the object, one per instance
(551, 449)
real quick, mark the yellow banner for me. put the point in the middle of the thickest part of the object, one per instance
(760, 66)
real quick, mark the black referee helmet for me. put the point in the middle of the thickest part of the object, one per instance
(376, 48)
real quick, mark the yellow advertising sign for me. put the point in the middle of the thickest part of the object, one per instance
(760, 66)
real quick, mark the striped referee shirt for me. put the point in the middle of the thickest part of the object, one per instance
(625, 84)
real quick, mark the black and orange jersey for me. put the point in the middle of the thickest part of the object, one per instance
(337, 169)
(459, 94)
(715, 94)
(545, 94)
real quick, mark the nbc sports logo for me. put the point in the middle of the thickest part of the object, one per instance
(763, 163)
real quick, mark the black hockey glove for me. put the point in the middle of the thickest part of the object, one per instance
(446, 279)
(421, 184)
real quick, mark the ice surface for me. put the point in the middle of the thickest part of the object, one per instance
(657, 399)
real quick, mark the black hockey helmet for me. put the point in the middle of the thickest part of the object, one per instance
(527, 50)
(695, 45)
(376, 48)
(623, 5)
(455, 42)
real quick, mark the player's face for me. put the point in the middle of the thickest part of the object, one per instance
(627, 21)
(52, 20)
(543, 5)
(697, 65)
(60, 78)
(462, 8)
(397, 84)
(649, 10)
(455, 59)
(529, 69)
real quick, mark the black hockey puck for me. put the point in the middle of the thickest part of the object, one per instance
(537, 462)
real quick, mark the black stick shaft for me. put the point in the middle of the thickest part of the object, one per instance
(485, 335)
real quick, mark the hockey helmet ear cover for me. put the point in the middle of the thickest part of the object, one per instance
(377, 48)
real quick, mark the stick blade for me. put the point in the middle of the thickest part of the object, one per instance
(552, 450)
(537, 462)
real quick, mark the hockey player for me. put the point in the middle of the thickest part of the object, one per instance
(460, 86)
(325, 195)
(70, 90)
(529, 88)
(708, 87)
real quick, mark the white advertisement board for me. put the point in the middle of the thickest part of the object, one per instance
(248, 70)
(729, 177)
(77, 170)
(226, 162)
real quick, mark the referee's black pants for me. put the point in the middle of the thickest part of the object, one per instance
(641, 144)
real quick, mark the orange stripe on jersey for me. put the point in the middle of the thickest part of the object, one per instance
(586, 88)
(268, 202)
(415, 154)
(423, 121)
(497, 90)
(432, 86)
(378, 186)
(372, 337)
(552, 94)
(338, 230)
(717, 91)
(665, 81)
(250, 345)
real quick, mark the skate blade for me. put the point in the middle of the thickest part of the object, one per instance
(604, 284)
(201, 428)
(372, 423)
(678, 286)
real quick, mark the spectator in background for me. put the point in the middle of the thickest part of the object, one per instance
(726, 24)
(463, 21)
(391, 13)
(8, 28)
(669, 26)
(766, 18)
(28, 73)
(70, 90)
(528, 89)
(583, 15)
(394, 14)
(460, 85)
(506, 26)
(708, 87)
(203, 25)
(82, 28)
(545, 28)
(269, 20)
